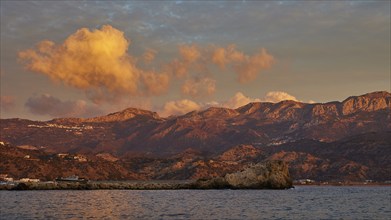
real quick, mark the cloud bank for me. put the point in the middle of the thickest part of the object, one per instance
(98, 63)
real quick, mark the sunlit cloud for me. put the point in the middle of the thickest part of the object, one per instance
(199, 87)
(87, 60)
(278, 96)
(94, 61)
(98, 63)
(247, 67)
(236, 101)
(198, 59)
(178, 107)
(156, 84)
(189, 53)
(149, 55)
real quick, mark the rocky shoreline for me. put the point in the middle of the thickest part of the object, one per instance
(266, 175)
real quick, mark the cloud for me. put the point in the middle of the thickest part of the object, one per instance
(98, 63)
(156, 84)
(149, 55)
(177, 68)
(7, 102)
(197, 59)
(199, 87)
(247, 67)
(189, 59)
(189, 53)
(178, 107)
(238, 100)
(87, 59)
(278, 96)
(52, 106)
(219, 57)
(94, 61)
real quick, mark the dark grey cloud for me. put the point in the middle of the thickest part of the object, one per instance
(52, 106)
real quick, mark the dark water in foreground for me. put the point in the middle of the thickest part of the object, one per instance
(300, 203)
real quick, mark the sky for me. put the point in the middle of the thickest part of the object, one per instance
(90, 58)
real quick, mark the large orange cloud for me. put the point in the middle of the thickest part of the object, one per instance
(87, 59)
(96, 61)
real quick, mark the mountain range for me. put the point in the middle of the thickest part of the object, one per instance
(348, 140)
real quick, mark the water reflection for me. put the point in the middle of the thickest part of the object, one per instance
(299, 203)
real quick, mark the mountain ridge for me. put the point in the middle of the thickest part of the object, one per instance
(228, 136)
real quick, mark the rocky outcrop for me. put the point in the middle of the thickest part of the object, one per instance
(124, 115)
(266, 175)
(367, 103)
(270, 175)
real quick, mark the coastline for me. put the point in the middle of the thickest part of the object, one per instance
(126, 185)
(151, 185)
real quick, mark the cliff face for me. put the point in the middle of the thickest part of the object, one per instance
(367, 103)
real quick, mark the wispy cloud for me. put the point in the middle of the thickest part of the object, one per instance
(199, 87)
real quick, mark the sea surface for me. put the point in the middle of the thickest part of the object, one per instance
(303, 202)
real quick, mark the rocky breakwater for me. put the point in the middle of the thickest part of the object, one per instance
(267, 175)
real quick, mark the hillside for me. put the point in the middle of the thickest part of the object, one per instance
(335, 140)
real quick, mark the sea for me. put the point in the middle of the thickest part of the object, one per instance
(302, 202)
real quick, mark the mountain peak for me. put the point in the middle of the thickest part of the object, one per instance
(124, 115)
(219, 111)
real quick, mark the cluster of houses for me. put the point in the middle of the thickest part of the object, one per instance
(76, 129)
(6, 178)
(79, 158)
(48, 125)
